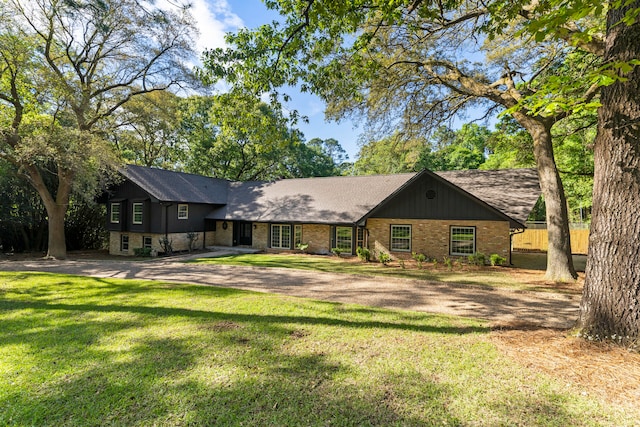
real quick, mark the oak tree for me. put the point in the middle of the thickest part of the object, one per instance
(65, 68)
(407, 66)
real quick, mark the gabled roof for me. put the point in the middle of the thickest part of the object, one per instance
(336, 199)
(512, 191)
(169, 186)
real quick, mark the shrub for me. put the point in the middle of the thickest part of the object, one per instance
(477, 259)
(448, 262)
(401, 262)
(496, 259)
(302, 247)
(420, 258)
(336, 251)
(142, 252)
(166, 245)
(435, 262)
(192, 237)
(384, 258)
(363, 254)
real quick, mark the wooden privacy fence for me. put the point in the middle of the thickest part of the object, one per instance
(537, 240)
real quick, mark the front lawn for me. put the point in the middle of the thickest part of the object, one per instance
(88, 351)
(503, 277)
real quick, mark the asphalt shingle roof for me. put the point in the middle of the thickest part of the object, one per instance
(169, 186)
(337, 199)
(512, 191)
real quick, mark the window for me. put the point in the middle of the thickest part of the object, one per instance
(147, 242)
(401, 238)
(124, 243)
(297, 235)
(360, 237)
(183, 211)
(137, 213)
(463, 240)
(281, 236)
(115, 213)
(343, 238)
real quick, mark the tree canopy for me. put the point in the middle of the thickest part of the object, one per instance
(66, 68)
(405, 67)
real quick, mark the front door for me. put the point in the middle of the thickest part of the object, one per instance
(242, 233)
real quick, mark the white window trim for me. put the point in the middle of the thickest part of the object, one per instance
(451, 240)
(122, 243)
(115, 221)
(186, 211)
(280, 227)
(410, 238)
(133, 213)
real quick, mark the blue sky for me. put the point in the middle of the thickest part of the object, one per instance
(217, 17)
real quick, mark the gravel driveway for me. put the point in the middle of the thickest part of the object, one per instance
(498, 306)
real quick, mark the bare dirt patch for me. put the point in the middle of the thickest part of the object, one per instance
(606, 371)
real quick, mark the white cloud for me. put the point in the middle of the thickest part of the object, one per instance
(213, 19)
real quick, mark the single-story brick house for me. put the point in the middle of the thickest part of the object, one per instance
(440, 214)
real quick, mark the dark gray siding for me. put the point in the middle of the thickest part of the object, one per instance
(195, 222)
(431, 198)
(157, 217)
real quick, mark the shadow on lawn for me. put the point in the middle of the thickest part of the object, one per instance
(237, 317)
(102, 364)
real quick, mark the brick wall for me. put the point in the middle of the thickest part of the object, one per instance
(179, 242)
(431, 237)
(318, 236)
(223, 237)
(260, 235)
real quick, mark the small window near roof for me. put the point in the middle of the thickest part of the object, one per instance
(115, 213)
(137, 213)
(183, 211)
(401, 238)
(463, 240)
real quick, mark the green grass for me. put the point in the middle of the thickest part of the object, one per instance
(88, 351)
(469, 275)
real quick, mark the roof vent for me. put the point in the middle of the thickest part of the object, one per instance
(431, 194)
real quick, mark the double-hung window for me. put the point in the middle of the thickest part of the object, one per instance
(124, 243)
(147, 242)
(343, 238)
(297, 235)
(183, 211)
(281, 236)
(401, 238)
(115, 213)
(137, 213)
(463, 240)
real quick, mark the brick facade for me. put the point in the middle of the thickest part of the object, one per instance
(179, 241)
(432, 237)
(318, 237)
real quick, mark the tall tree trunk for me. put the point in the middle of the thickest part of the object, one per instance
(56, 208)
(559, 260)
(610, 307)
(57, 247)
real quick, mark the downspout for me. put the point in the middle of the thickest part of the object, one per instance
(166, 219)
(511, 234)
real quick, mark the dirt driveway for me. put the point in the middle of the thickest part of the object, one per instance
(498, 306)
